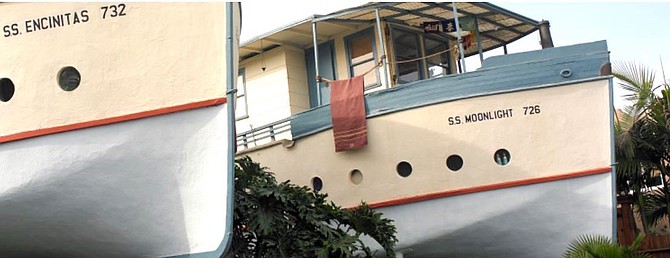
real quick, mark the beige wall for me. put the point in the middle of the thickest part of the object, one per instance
(297, 79)
(267, 91)
(156, 55)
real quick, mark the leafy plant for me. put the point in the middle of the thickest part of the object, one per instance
(284, 220)
(597, 246)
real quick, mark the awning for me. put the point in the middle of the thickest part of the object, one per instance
(497, 26)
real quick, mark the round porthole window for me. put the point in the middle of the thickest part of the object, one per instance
(68, 78)
(404, 169)
(502, 157)
(6, 89)
(317, 184)
(356, 176)
(454, 163)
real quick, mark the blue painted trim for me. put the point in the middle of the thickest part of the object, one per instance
(597, 47)
(350, 71)
(583, 60)
(312, 92)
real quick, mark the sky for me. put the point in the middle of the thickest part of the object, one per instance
(635, 31)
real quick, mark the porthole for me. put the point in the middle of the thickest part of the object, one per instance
(454, 162)
(404, 169)
(6, 89)
(356, 176)
(502, 157)
(68, 78)
(317, 184)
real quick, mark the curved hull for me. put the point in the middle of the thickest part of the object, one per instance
(514, 160)
(149, 187)
(537, 220)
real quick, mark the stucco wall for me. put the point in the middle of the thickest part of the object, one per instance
(128, 63)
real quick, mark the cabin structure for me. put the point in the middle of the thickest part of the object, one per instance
(277, 76)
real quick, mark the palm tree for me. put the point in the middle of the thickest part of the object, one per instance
(633, 170)
(643, 141)
(597, 246)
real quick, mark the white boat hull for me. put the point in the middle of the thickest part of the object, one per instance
(148, 187)
(536, 220)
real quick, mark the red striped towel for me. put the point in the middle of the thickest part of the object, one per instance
(347, 106)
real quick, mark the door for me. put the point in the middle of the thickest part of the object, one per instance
(326, 70)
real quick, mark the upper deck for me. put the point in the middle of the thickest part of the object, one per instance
(399, 43)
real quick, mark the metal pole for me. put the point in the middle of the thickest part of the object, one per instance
(232, 142)
(316, 64)
(460, 40)
(383, 49)
(613, 161)
(505, 49)
(479, 41)
(545, 35)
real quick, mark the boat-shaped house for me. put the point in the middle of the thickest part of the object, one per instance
(513, 159)
(111, 144)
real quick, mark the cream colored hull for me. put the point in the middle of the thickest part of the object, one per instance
(557, 178)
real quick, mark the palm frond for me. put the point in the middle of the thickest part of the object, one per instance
(656, 206)
(637, 80)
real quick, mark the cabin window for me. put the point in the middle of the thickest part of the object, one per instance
(407, 56)
(6, 89)
(404, 169)
(454, 162)
(437, 56)
(419, 56)
(241, 110)
(69, 78)
(502, 157)
(362, 56)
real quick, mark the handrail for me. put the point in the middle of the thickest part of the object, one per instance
(253, 136)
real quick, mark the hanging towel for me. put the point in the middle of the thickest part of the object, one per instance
(347, 106)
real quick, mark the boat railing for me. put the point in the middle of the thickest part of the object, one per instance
(264, 134)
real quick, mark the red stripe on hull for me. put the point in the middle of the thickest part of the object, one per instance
(425, 197)
(111, 120)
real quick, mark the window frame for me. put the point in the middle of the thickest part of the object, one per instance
(420, 51)
(350, 66)
(445, 40)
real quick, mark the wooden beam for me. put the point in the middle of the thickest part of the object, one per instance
(252, 49)
(280, 42)
(343, 26)
(307, 34)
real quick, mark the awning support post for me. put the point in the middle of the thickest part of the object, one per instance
(479, 41)
(460, 39)
(545, 35)
(383, 49)
(316, 64)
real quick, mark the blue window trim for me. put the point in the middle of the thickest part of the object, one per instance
(371, 32)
